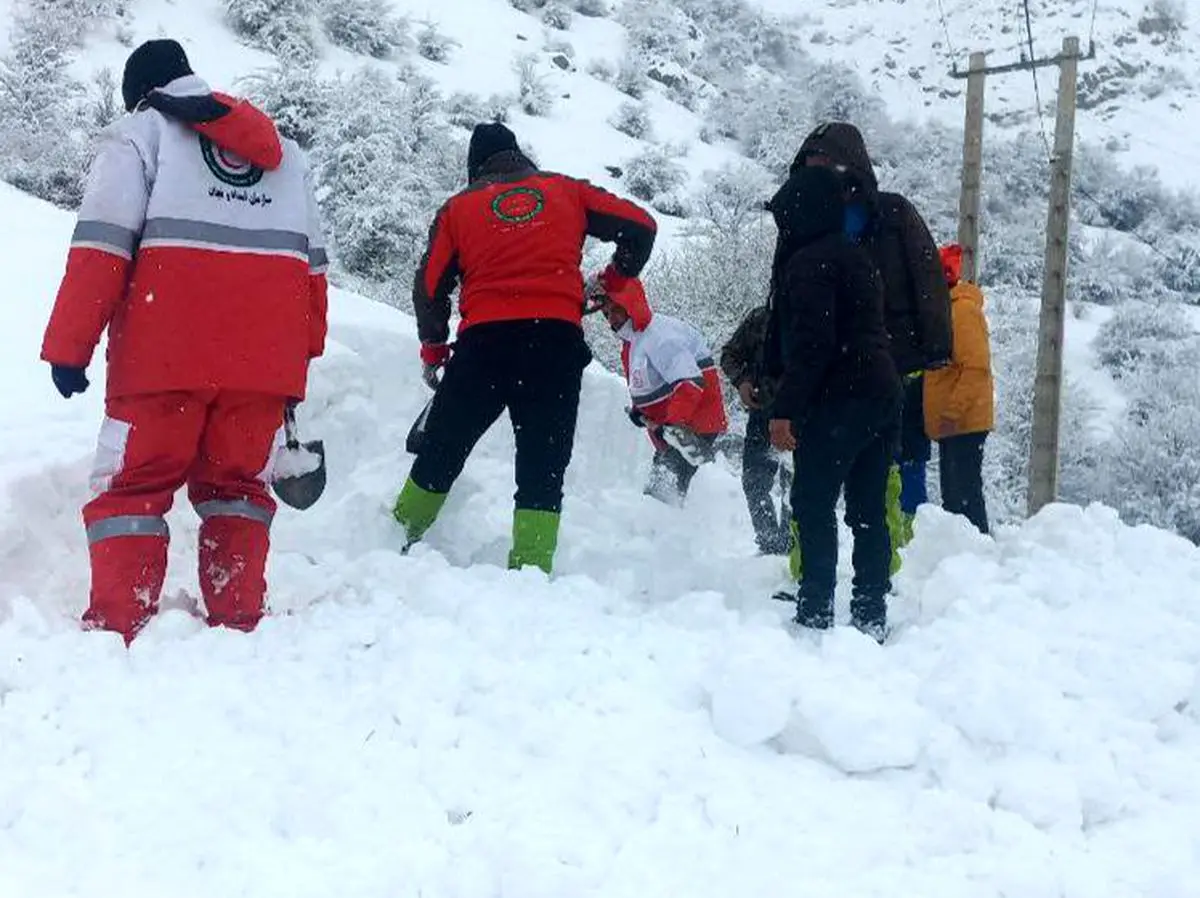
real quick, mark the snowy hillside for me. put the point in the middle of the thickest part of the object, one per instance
(1137, 97)
(641, 724)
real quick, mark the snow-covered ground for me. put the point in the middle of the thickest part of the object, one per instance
(640, 724)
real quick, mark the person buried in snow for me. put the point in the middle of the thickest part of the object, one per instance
(673, 385)
(512, 244)
(211, 285)
(837, 404)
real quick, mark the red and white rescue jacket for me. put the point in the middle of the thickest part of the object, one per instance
(671, 372)
(198, 246)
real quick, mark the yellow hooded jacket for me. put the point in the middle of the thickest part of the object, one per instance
(959, 398)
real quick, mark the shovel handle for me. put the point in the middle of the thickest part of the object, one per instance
(289, 426)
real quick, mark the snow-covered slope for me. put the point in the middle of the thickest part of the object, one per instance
(1138, 97)
(640, 724)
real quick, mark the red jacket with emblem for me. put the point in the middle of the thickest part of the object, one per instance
(513, 243)
(671, 372)
(198, 247)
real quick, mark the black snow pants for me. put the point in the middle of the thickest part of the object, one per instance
(671, 474)
(760, 467)
(846, 444)
(960, 460)
(532, 368)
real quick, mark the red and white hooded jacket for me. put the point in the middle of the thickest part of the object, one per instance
(671, 372)
(198, 247)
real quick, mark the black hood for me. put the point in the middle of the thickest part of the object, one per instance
(808, 207)
(842, 143)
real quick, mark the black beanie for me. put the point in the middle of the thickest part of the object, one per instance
(488, 139)
(153, 64)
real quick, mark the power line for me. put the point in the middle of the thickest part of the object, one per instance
(1092, 27)
(946, 29)
(1037, 91)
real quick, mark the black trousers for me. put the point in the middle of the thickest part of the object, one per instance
(671, 474)
(532, 368)
(760, 467)
(960, 460)
(849, 444)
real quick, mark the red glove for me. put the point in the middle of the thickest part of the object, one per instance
(435, 354)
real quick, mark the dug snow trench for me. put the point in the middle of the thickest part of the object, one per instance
(641, 724)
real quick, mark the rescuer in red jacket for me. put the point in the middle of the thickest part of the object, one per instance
(512, 243)
(674, 387)
(197, 247)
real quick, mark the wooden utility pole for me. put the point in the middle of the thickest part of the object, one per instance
(972, 168)
(1047, 385)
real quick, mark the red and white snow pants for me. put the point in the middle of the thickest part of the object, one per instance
(220, 444)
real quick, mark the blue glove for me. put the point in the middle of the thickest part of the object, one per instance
(69, 381)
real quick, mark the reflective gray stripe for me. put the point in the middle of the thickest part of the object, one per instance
(102, 235)
(167, 230)
(317, 257)
(667, 389)
(127, 525)
(233, 508)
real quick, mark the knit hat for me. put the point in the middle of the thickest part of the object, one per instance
(488, 139)
(154, 64)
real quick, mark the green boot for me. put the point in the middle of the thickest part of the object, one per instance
(416, 509)
(534, 539)
(899, 524)
(795, 562)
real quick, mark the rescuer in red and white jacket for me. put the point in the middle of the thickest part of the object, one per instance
(198, 248)
(673, 381)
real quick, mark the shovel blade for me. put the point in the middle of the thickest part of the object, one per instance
(301, 491)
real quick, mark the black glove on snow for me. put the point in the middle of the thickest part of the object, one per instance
(638, 419)
(69, 381)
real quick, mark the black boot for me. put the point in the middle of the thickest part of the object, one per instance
(814, 608)
(868, 615)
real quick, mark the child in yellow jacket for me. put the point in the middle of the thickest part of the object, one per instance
(959, 399)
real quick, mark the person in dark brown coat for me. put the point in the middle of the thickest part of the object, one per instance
(916, 299)
(837, 403)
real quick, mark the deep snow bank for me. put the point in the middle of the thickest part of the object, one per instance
(642, 724)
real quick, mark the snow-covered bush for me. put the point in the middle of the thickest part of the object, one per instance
(533, 94)
(1153, 469)
(368, 27)
(631, 76)
(283, 27)
(592, 8)
(632, 119)
(433, 45)
(601, 69)
(1140, 334)
(294, 96)
(557, 15)
(654, 176)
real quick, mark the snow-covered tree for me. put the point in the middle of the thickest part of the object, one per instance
(365, 26)
(44, 130)
(284, 27)
(654, 176)
(293, 95)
